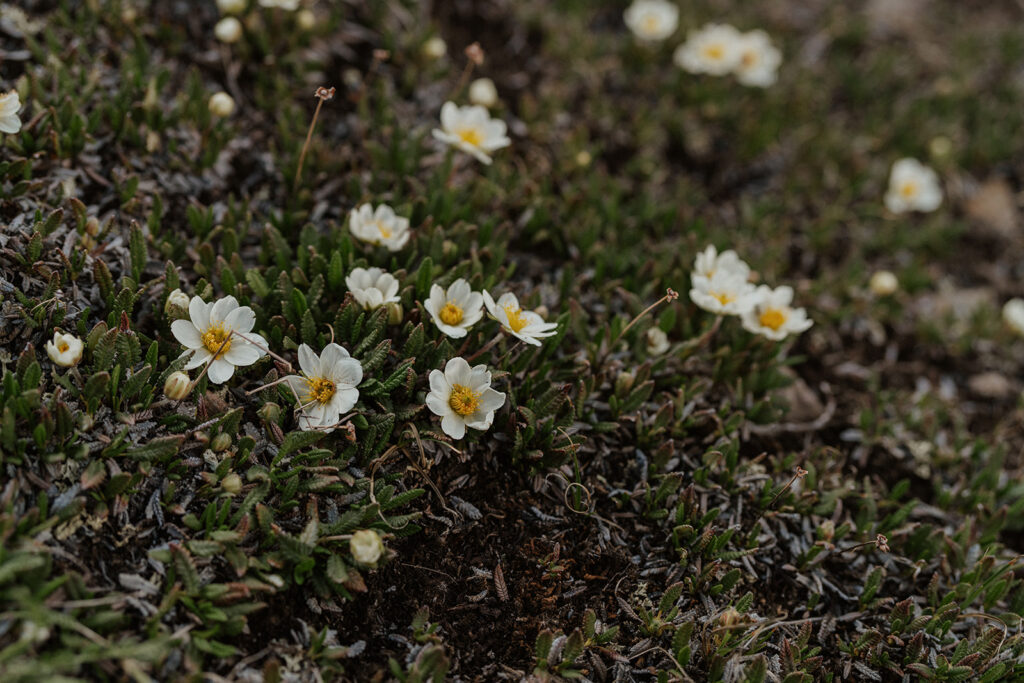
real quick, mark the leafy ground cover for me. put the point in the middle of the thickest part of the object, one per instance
(841, 505)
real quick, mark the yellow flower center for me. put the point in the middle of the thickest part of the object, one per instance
(773, 318)
(464, 401)
(516, 319)
(321, 389)
(909, 189)
(62, 346)
(749, 58)
(715, 51)
(651, 23)
(724, 298)
(384, 232)
(450, 314)
(471, 136)
(214, 337)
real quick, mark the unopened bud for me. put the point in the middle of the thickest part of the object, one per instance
(221, 442)
(228, 30)
(232, 483)
(435, 48)
(395, 313)
(729, 617)
(271, 412)
(306, 19)
(483, 92)
(176, 307)
(624, 382)
(884, 283)
(222, 104)
(177, 386)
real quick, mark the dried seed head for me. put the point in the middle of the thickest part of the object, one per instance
(671, 294)
(381, 55)
(475, 53)
(325, 94)
(882, 543)
(801, 472)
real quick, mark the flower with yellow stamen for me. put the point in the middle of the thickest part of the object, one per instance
(380, 226)
(714, 50)
(726, 292)
(456, 309)
(652, 20)
(912, 187)
(527, 326)
(772, 316)
(759, 61)
(65, 350)
(220, 334)
(472, 130)
(372, 287)
(327, 386)
(462, 397)
(709, 262)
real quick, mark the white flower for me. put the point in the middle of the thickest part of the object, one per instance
(462, 397)
(709, 262)
(724, 293)
(213, 334)
(912, 187)
(381, 226)
(228, 30)
(290, 5)
(472, 130)
(65, 350)
(657, 341)
(883, 283)
(456, 309)
(652, 20)
(221, 104)
(1013, 315)
(306, 19)
(435, 48)
(231, 6)
(524, 325)
(482, 91)
(327, 386)
(372, 287)
(772, 316)
(714, 49)
(759, 60)
(366, 546)
(10, 103)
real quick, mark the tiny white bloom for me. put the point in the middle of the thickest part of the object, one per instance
(772, 316)
(462, 397)
(482, 91)
(435, 48)
(709, 262)
(290, 5)
(524, 325)
(231, 6)
(65, 350)
(652, 20)
(912, 187)
(1013, 315)
(472, 130)
(883, 283)
(380, 226)
(327, 386)
(372, 287)
(221, 104)
(228, 30)
(456, 309)
(10, 104)
(724, 293)
(714, 49)
(306, 19)
(213, 334)
(657, 341)
(759, 60)
(366, 546)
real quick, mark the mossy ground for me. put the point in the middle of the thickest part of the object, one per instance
(628, 516)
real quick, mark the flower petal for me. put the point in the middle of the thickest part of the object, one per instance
(308, 361)
(220, 371)
(186, 334)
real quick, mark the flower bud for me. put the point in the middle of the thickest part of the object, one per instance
(483, 92)
(271, 412)
(232, 483)
(827, 530)
(92, 226)
(624, 382)
(228, 30)
(221, 104)
(221, 442)
(884, 283)
(306, 19)
(1013, 315)
(729, 617)
(366, 546)
(395, 313)
(583, 158)
(940, 147)
(177, 386)
(65, 350)
(176, 306)
(657, 341)
(435, 48)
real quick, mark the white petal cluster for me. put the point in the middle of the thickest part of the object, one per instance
(65, 350)
(759, 60)
(1013, 315)
(219, 333)
(366, 546)
(10, 105)
(456, 309)
(327, 386)
(720, 50)
(289, 5)
(771, 314)
(372, 287)
(472, 130)
(526, 326)
(724, 293)
(912, 187)
(380, 226)
(483, 92)
(462, 397)
(652, 20)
